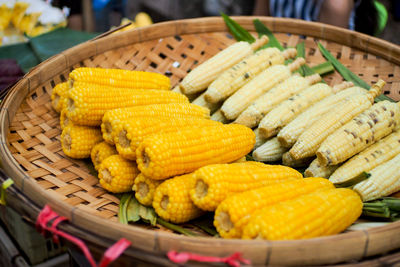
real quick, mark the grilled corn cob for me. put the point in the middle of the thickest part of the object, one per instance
(270, 151)
(145, 189)
(253, 114)
(201, 101)
(260, 84)
(201, 76)
(289, 134)
(362, 131)
(58, 95)
(172, 200)
(321, 213)
(235, 77)
(130, 133)
(286, 111)
(117, 174)
(289, 161)
(112, 118)
(383, 181)
(120, 78)
(214, 183)
(77, 141)
(218, 116)
(317, 170)
(233, 214)
(164, 155)
(378, 153)
(309, 141)
(87, 104)
(100, 152)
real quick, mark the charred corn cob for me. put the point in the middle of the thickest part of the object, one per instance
(289, 161)
(362, 131)
(201, 101)
(218, 116)
(77, 141)
(130, 133)
(100, 152)
(260, 84)
(145, 189)
(117, 174)
(214, 183)
(164, 155)
(58, 95)
(378, 153)
(322, 213)
(286, 111)
(233, 214)
(120, 78)
(201, 76)
(270, 151)
(289, 134)
(253, 114)
(310, 140)
(87, 104)
(318, 170)
(112, 118)
(235, 77)
(383, 181)
(260, 140)
(172, 200)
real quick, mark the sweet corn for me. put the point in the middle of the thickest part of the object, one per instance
(78, 141)
(145, 189)
(164, 155)
(64, 121)
(318, 170)
(233, 214)
(270, 151)
(214, 183)
(100, 152)
(58, 95)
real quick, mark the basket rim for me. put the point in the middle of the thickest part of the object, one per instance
(158, 240)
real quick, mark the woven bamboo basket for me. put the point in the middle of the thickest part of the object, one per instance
(31, 152)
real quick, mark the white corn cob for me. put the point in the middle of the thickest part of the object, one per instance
(260, 84)
(289, 161)
(260, 140)
(218, 116)
(270, 151)
(236, 76)
(383, 181)
(317, 170)
(201, 101)
(253, 114)
(289, 134)
(201, 76)
(361, 132)
(380, 152)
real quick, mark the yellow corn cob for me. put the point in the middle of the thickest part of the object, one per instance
(233, 214)
(309, 141)
(383, 181)
(87, 104)
(322, 213)
(270, 151)
(172, 200)
(117, 174)
(164, 155)
(216, 182)
(289, 161)
(58, 95)
(235, 77)
(200, 101)
(77, 141)
(378, 153)
(18, 12)
(132, 132)
(143, 19)
(120, 78)
(255, 88)
(286, 111)
(260, 140)
(218, 116)
(64, 121)
(362, 131)
(253, 114)
(317, 170)
(201, 76)
(6, 13)
(145, 189)
(112, 118)
(289, 134)
(100, 152)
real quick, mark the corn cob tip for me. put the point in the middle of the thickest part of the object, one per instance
(289, 53)
(376, 89)
(259, 42)
(296, 64)
(315, 78)
(341, 86)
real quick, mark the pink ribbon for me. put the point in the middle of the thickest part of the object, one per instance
(233, 260)
(47, 214)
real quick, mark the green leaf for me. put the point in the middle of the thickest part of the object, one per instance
(323, 68)
(132, 213)
(238, 32)
(22, 53)
(175, 227)
(355, 180)
(347, 74)
(263, 30)
(148, 214)
(123, 206)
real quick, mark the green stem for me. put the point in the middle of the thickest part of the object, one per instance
(175, 227)
(323, 68)
(123, 206)
(355, 180)
(238, 32)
